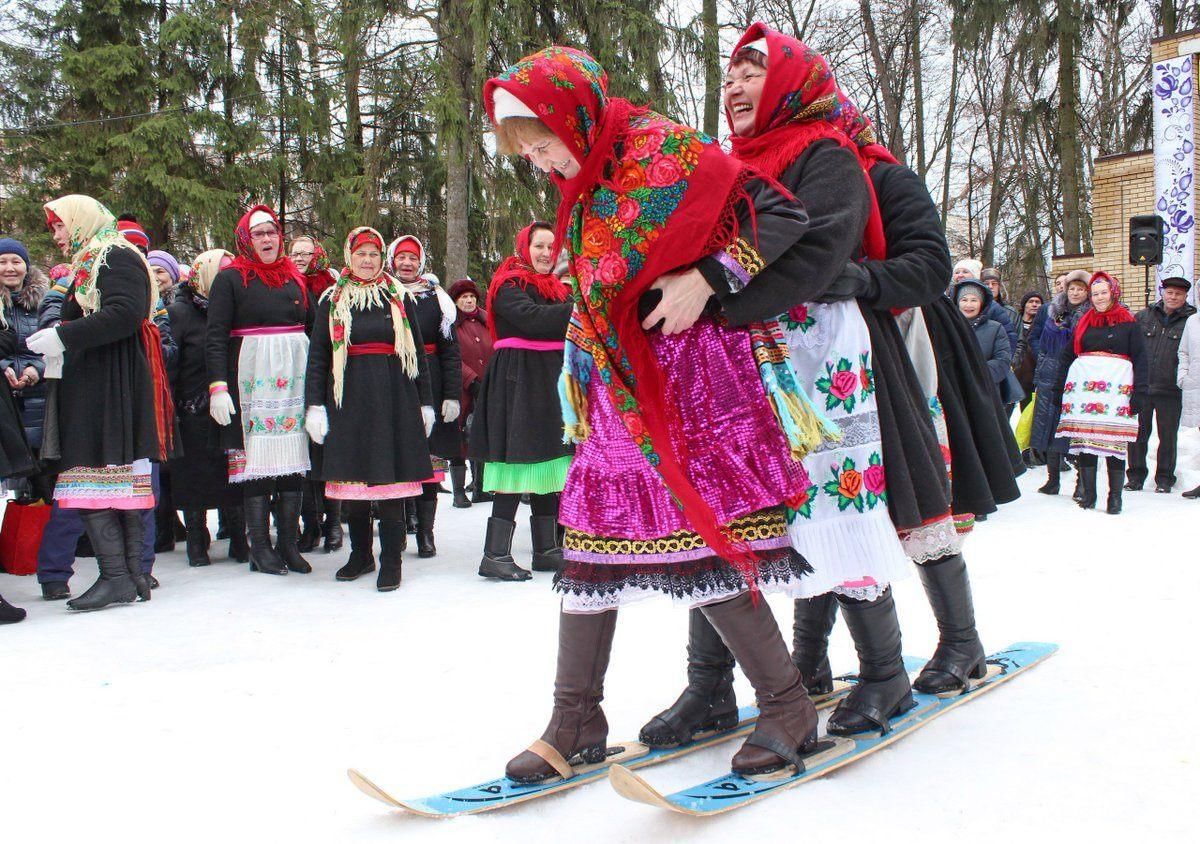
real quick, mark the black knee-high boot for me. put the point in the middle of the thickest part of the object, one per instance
(478, 496)
(114, 586)
(196, 522)
(134, 530)
(426, 512)
(362, 551)
(959, 655)
(235, 526)
(1053, 475)
(458, 482)
(883, 690)
(310, 517)
(289, 532)
(708, 703)
(1116, 477)
(334, 537)
(1087, 479)
(263, 558)
(392, 541)
(812, 622)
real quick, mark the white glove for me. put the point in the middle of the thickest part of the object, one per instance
(54, 366)
(220, 407)
(316, 422)
(46, 342)
(450, 410)
(428, 417)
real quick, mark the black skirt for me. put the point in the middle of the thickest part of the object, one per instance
(518, 418)
(200, 477)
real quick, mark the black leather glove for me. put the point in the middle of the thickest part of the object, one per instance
(854, 282)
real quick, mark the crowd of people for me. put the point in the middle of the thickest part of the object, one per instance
(764, 381)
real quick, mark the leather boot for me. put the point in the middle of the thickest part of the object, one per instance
(882, 691)
(577, 730)
(334, 538)
(1087, 478)
(196, 522)
(458, 480)
(392, 541)
(310, 519)
(478, 496)
(1053, 479)
(426, 510)
(547, 552)
(787, 721)
(812, 622)
(134, 530)
(497, 559)
(115, 586)
(1192, 493)
(708, 702)
(10, 614)
(263, 558)
(410, 515)
(289, 532)
(959, 653)
(1077, 495)
(1116, 474)
(235, 526)
(362, 540)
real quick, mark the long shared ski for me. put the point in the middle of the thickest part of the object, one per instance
(732, 791)
(503, 792)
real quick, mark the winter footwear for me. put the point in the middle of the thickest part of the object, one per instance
(458, 479)
(362, 552)
(310, 535)
(1192, 493)
(1132, 487)
(547, 552)
(1077, 495)
(10, 614)
(959, 653)
(410, 515)
(1087, 480)
(197, 537)
(497, 559)
(392, 541)
(262, 556)
(289, 532)
(812, 622)
(235, 529)
(1053, 474)
(426, 510)
(708, 702)
(1116, 472)
(334, 537)
(310, 517)
(56, 590)
(883, 690)
(787, 721)
(478, 496)
(1163, 488)
(115, 586)
(577, 729)
(134, 532)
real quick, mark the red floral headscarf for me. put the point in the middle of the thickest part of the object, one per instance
(518, 268)
(651, 196)
(802, 103)
(1115, 315)
(275, 274)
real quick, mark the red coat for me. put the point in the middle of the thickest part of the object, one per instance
(475, 343)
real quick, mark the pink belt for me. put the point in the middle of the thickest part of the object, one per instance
(358, 349)
(266, 330)
(529, 345)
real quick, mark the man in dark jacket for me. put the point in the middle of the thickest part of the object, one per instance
(1162, 327)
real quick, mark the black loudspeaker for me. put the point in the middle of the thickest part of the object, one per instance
(1146, 234)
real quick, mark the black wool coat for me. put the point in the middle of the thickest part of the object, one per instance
(518, 418)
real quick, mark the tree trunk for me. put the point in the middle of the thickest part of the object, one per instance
(711, 49)
(1067, 138)
(457, 51)
(918, 88)
(949, 133)
(892, 102)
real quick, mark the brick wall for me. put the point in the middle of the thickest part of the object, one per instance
(1060, 264)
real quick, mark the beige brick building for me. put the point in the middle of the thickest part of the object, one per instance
(1122, 187)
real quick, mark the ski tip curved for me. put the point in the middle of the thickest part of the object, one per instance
(369, 788)
(632, 787)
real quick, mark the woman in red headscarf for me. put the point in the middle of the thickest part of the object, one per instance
(369, 404)
(517, 430)
(259, 311)
(686, 428)
(1104, 382)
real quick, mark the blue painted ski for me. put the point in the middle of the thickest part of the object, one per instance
(732, 791)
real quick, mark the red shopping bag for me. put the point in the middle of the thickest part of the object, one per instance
(21, 536)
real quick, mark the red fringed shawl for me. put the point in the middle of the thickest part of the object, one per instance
(518, 268)
(275, 274)
(651, 197)
(1115, 315)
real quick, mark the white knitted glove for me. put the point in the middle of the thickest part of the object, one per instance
(316, 422)
(450, 410)
(46, 342)
(428, 417)
(220, 407)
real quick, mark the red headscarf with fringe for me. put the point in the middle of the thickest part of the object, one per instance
(275, 274)
(801, 103)
(1115, 315)
(518, 268)
(651, 197)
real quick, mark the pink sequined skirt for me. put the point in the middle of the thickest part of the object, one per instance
(625, 537)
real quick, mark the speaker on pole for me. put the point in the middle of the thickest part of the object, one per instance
(1146, 234)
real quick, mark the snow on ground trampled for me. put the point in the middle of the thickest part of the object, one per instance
(229, 707)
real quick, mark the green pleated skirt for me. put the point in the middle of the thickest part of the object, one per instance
(535, 478)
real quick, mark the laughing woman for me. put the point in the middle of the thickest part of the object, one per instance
(368, 401)
(113, 375)
(669, 492)
(258, 312)
(517, 430)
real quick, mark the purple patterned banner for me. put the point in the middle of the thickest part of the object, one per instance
(1174, 166)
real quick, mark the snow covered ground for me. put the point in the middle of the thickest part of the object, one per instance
(229, 707)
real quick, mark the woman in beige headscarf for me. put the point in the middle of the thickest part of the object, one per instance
(113, 390)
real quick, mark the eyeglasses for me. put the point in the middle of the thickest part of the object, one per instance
(302, 254)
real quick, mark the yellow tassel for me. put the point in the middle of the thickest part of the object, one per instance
(812, 433)
(580, 430)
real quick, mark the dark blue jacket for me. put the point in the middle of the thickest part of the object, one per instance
(1053, 330)
(21, 312)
